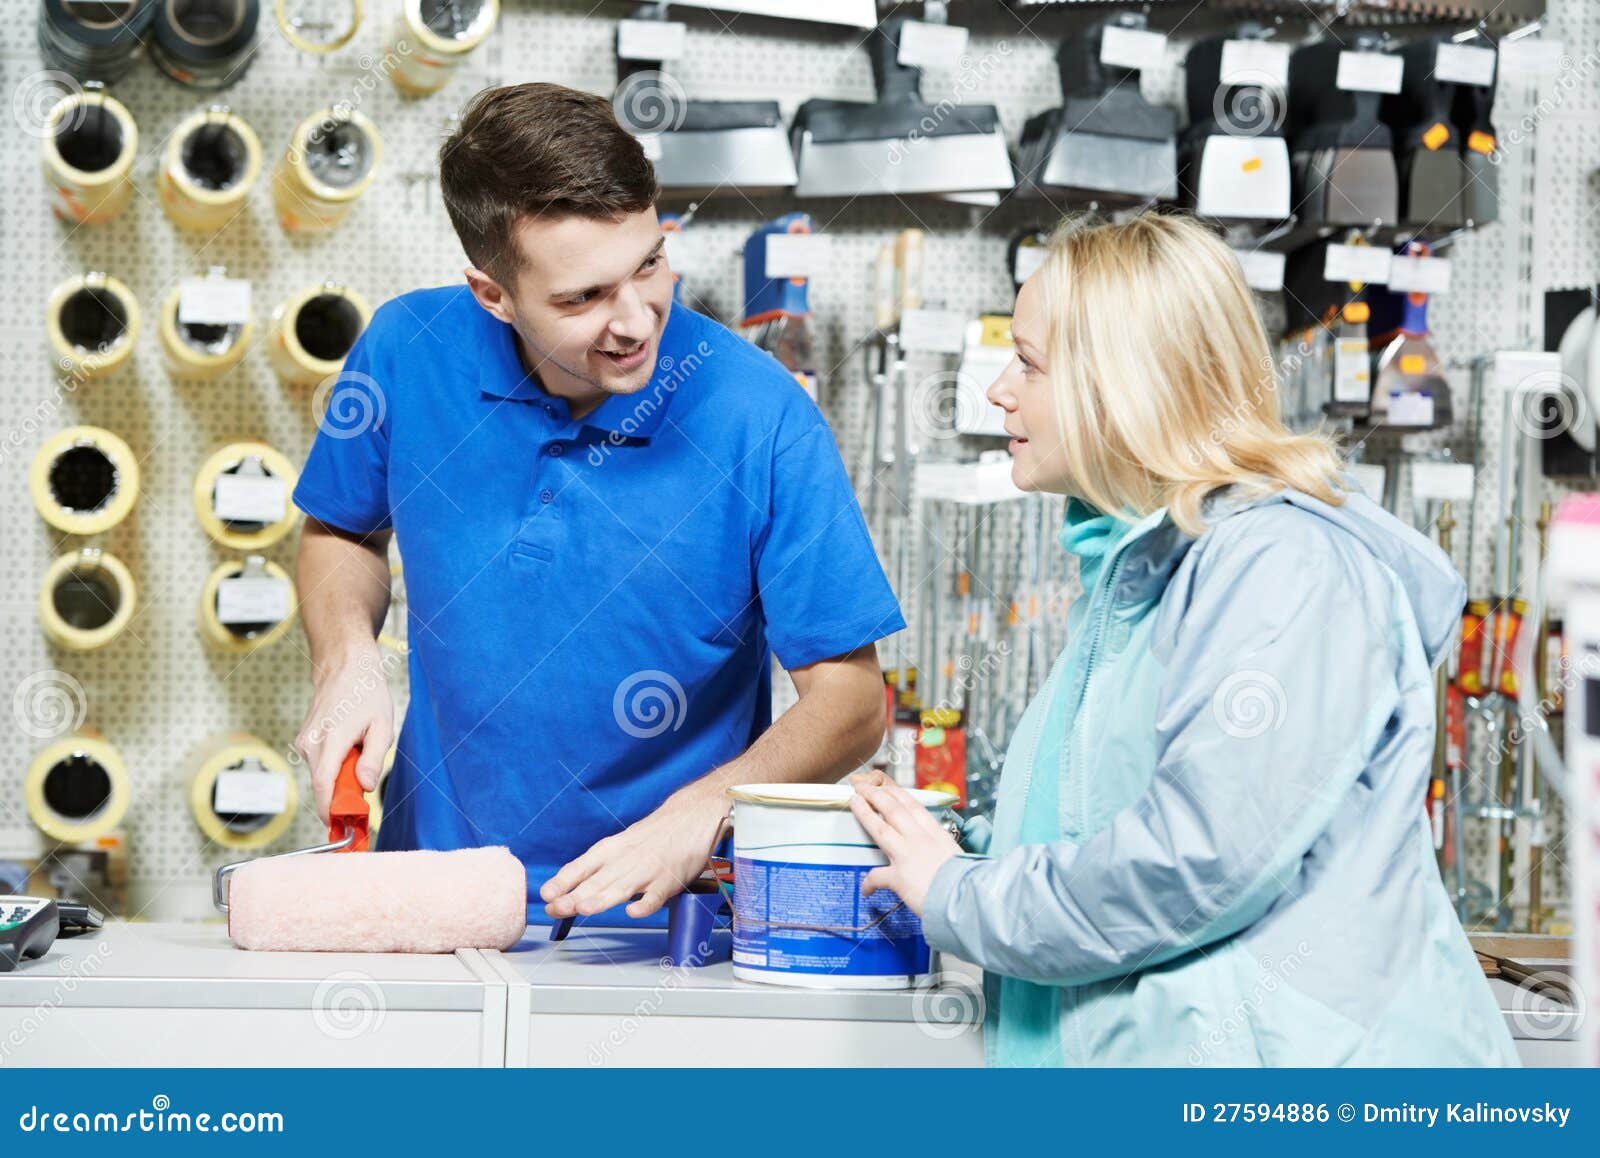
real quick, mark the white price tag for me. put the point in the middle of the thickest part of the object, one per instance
(1132, 47)
(792, 254)
(1264, 63)
(932, 331)
(252, 599)
(1464, 64)
(1366, 264)
(1029, 259)
(1418, 274)
(1410, 408)
(250, 793)
(650, 39)
(1442, 481)
(1263, 269)
(934, 46)
(213, 301)
(1352, 371)
(249, 498)
(1369, 72)
(651, 143)
(1527, 372)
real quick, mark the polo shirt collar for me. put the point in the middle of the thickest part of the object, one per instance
(639, 415)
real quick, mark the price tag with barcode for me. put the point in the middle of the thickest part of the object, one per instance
(249, 498)
(1410, 408)
(252, 599)
(246, 793)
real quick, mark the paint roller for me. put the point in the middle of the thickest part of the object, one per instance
(377, 902)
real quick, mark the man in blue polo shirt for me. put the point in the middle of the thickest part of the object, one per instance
(612, 511)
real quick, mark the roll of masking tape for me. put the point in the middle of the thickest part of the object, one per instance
(242, 793)
(318, 37)
(77, 788)
(332, 160)
(246, 604)
(201, 350)
(86, 600)
(212, 160)
(433, 39)
(312, 331)
(393, 634)
(241, 496)
(88, 151)
(84, 480)
(93, 322)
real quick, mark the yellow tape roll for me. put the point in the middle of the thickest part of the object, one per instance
(237, 752)
(88, 156)
(312, 331)
(77, 788)
(291, 31)
(93, 323)
(241, 459)
(243, 637)
(212, 160)
(84, 480)
(86, 600)
(332, 159)
(200, 352)
(427, 60)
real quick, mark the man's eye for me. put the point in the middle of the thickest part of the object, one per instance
(651, 262)
(579, 300)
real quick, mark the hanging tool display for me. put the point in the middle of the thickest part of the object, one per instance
(207, 45)
(898, 144)
(93, 41)
(87, 153)
(1476, 72)
(1342, 154)
(1106, 139)
(698, 147)
(212, 161)
(1426, 140)
(777, 311)
(1330, 318)
(1409, 387)
(434, 38)
(1234, 160)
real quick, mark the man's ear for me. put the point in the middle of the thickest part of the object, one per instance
(489, 293)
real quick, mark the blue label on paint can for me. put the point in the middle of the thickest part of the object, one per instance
(811, 918)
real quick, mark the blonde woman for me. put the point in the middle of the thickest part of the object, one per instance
(1210, 844)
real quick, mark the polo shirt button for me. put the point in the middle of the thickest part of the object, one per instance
(557, 450)
(546, 496)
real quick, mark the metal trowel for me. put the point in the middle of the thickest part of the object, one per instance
(1342, 154)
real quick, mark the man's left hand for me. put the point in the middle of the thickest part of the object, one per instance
(653, 860)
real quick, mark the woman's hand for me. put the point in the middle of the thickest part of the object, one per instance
(908, 834)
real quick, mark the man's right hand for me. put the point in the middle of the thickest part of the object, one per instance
(351, 705)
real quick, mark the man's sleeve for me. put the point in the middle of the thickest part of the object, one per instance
(345, 482)
(823, 592)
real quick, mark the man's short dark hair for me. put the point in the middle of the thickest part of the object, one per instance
(529, 150)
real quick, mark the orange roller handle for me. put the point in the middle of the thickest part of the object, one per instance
(348, 810)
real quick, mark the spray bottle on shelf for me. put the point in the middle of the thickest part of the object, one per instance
(777, 314)
(1409, 388)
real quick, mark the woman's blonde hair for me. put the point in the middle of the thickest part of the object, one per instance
(1164, 381)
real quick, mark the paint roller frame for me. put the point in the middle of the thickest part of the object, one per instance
(87, 744)
(81, 639)
(223, 461)
(110, 511)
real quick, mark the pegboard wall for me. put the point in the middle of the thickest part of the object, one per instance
(159, 691)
